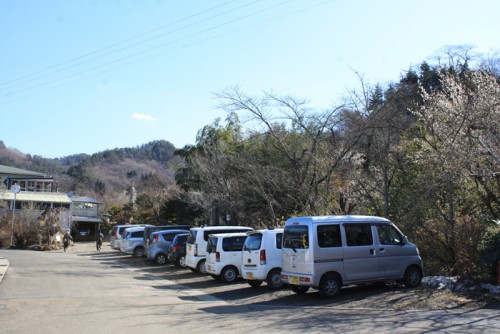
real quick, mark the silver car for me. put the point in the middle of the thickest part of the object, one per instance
(133, 242)
(158, 245)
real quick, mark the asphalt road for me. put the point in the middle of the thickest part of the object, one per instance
(82, 291)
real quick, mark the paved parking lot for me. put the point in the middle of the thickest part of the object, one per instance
(379, 297)
(88, 292)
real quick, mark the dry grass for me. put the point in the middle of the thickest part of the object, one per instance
(444, 299)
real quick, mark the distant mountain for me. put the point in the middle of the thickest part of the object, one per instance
(104, 175)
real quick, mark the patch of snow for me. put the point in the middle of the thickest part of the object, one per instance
(455, 283)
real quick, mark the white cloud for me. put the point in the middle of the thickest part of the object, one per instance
(143, 117)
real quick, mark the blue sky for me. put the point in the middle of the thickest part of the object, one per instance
(89, 75)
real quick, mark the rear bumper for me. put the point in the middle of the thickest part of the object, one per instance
(192, 261)
(293, 278)
(214, 268)
(255, 273)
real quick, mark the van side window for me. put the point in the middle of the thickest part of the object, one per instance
(358, 234)
(233, 244)
(388, 235)
(279, 240)
(329, 236)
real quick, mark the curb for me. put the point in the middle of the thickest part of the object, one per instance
(4, 264)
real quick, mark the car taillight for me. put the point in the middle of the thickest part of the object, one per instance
(217, 257)
(116, 234)
(263, 256)
(155, 238)
(176, 248)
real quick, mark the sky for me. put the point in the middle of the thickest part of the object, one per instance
(89, 75)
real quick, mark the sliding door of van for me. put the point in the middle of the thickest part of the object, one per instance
(360, 255)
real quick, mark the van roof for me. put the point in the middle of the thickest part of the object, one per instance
(265, 230)
(220, 227)
(220, 235)
(339, 218)
(134, 229)
(170, 231)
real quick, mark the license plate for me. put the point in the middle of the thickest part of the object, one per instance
(294, 280)
(190, 247)
(250, 276)
(209, 267)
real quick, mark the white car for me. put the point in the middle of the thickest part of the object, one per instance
(196, 245)
(223, 259)
(261, 258)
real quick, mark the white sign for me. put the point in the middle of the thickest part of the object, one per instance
(15, 189)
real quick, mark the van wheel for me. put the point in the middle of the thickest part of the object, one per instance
(329, 286)
(413, 277)
(254, 283)
(180, 261)
(229, 274)
(273, 280)
(139, 251)
(160, 259)
(299, 289)
(202, 268)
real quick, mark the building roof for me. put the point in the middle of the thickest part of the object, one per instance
(30, 196)
(12, 171)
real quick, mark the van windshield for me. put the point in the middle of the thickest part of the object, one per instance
(296, 237)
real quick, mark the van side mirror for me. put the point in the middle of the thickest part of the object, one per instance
(405, 240)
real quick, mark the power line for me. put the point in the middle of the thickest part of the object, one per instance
(119, 43)
(46, 83)
(114, 44)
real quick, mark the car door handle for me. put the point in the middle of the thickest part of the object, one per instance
(381, 250)
(372, 251)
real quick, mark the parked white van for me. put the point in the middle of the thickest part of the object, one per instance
(223, 259)
(328, 252)
(196, 247)
(261, 258)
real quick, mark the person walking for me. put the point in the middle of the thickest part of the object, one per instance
(98, 240)
(66, 240)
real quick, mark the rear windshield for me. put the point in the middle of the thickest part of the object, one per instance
(192, 237)
(253, 242)
(296, 237)
(233, 244)
(169, 236)
(212, 245)
(180, 239)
